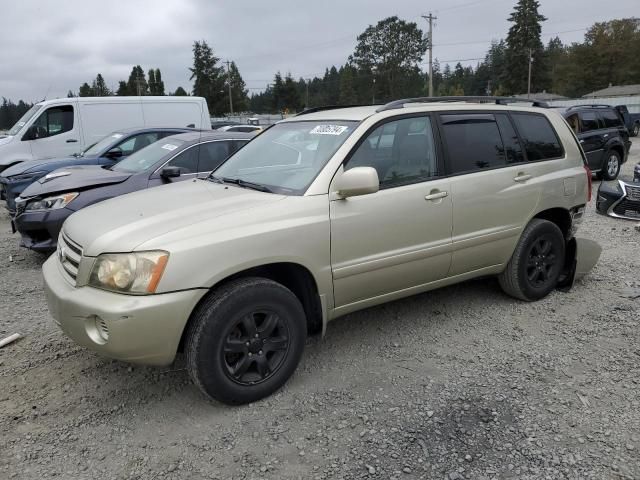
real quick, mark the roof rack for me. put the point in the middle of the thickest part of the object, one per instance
(326, 107)
(479, 99)
(592, 105)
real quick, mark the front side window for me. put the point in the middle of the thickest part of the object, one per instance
(187, 161)
(149, 156)
(53, 121)
(473, 142)
(212, 154)
(610, 119)
(402, 152)
(24, 119)
(137, 142)
(287, 157)
(539, 137)
(589, 121)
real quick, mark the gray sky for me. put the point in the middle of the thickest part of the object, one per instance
(50, 47)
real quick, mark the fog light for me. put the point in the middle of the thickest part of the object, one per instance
(97, 329)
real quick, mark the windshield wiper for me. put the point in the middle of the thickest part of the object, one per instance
(241, 183)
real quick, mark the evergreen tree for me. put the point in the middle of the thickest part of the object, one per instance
(85, 90)
(238, 89)
(151, 81)
(70, 94)
(137, 83)
(123, 89)
(180, 92)
(99, 87)
(159, 85)
(523, 40)
(208, 77)
(347, 89)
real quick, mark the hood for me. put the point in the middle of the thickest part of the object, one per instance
(5, 139)
(73, 178)
(45, 165)
(122, 223)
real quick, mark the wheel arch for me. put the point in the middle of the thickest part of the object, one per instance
(293, 276)
(559, 216)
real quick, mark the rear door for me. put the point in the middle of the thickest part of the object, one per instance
(592, 138)
(494, 190)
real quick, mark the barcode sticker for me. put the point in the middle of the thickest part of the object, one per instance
(328, 130)
(170, 147)
(116, 135)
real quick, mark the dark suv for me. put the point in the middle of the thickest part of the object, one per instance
(603, 136)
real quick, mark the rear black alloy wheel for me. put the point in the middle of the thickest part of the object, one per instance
(537, 262)
(542, 262)
(256, 347)
(245, 340)
(635, 130)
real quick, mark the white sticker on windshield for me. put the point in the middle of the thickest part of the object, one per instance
(328, 130)
(168, 146)
(117, 135)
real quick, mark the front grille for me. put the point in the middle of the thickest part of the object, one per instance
(69, 256)
(628, 208)
(633, 193)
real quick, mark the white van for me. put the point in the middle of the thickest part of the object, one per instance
(62, 127)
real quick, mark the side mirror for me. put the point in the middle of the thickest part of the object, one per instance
(358, 181)
(115, 153)
(170, 172)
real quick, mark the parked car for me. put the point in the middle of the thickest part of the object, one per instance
(631, 120)
(241, 128)
(216, 124)
(61, 127)
(620, 198)
(108, 151)
(237, 268)
(44, 205)
(603, 136)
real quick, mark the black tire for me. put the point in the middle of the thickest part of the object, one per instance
(532, 274)
(635, 130)
(245, 340)
(611, 166)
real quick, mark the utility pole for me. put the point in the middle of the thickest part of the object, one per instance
(430, 18)
(229, 82)
(529, 80)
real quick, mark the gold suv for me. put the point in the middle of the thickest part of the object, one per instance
(323, 214)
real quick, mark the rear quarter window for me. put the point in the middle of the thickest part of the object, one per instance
(540, 139)
(610, 119)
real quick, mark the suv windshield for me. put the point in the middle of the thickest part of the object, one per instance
(24, 119)
(288, 156)
(99, 146)
(148, 156)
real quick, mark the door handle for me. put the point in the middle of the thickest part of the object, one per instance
(436, 195)
(605, 135)
(522, 177)
(72, 140)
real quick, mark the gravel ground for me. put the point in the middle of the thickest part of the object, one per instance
(459, 383)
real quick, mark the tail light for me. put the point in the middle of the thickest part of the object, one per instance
(589, 181)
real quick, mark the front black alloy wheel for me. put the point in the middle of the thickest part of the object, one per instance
(256, 347)
(245, 340)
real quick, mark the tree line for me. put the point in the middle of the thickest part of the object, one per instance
(387, 63)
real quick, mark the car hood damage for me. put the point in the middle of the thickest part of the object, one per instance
(72, 179)
(124, 223)
(48, 164)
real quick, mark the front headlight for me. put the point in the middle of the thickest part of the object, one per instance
(24, 176)
(135, 273)
(52, 203)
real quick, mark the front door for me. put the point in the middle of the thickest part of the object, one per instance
(397, 239)
(55, 133)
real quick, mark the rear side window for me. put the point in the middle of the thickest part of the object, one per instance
(540, 140)
(589, 121)
(473, 142)
(610, 119)
(510, 139)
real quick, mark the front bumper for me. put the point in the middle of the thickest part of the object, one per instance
(10, 190)
(619, 199)
(141, 329)
(39, 229)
